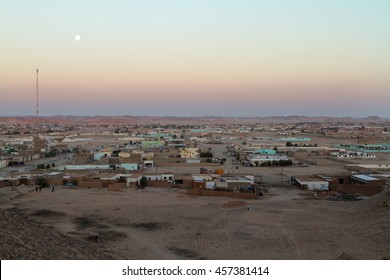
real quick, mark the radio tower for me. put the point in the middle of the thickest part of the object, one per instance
(37, 104)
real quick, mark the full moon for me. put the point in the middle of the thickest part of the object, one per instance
(77, 37)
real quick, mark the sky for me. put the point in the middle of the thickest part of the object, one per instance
(195, 57)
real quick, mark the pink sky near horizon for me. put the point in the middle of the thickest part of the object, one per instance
(192, 58)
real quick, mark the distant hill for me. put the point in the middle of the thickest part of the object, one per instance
(142, 120)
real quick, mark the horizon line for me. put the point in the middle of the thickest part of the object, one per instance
(204, 116)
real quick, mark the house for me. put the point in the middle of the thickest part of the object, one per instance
(83, 158)
(363, 184)
(259, 159)
(189, 153)
(158, 180)
(101, 154)
(265, 152)
(131, 163)
(203, 181)
(85, 167)
(184, 181)
(148, 164)
(312, 183)
(152, 144)
(237, 182)
(363, 179)
(124, 154)
(3, 163)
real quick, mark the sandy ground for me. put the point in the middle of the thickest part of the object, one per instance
(168, 224)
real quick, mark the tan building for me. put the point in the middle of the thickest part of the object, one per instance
(39, 145)
(189, 153)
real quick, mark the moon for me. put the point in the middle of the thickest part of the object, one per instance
(77, 37)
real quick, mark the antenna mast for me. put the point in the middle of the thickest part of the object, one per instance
(37, 104)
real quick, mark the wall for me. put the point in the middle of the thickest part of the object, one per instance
(90, 184)
(55, 181)
(187, 184)
(223, 194)
(354, 189)
(238, 185)
(159, 184)
(199, 185)
(129, 166)
(9, 183)
(116, 186)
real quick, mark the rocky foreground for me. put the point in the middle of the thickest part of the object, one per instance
(165, 224)
(21, 238)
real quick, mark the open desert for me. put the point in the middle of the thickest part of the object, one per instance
(158, 223)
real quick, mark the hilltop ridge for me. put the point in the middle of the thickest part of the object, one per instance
(129, 119)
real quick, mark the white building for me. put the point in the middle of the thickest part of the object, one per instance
(313, 183)
(3, 163)
(259, 159)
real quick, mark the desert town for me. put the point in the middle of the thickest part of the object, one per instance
(188, 190)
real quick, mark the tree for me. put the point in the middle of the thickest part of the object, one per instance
(143, 182)
(48, 166)
(289, 144)
(41, 166)
(42, 182)
(52, 153)
(207, 154)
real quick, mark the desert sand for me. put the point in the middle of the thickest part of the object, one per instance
(157, 223)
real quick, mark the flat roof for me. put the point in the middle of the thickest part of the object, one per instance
(302, 179)
(365, 177)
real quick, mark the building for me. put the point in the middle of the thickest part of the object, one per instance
(131, 163)
(101, 154)
(363, 184)
(152, 144)
(85, 167)
(40, 145)
(362, 179)
(236, 182)
(257, 160)
(312, 183)
(158, 180)
(265, 152)
(3, 163)
(189, 153)
(148, 164)
(368, 148)
(83, 158)
(129, 166)
(203, 181)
